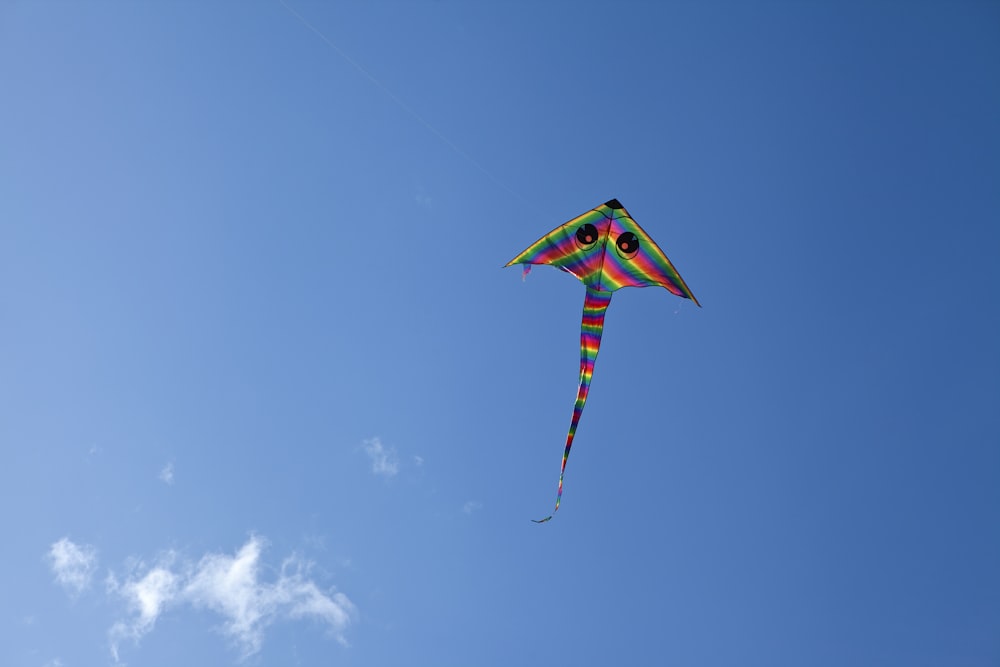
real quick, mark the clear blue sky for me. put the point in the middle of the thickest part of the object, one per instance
(267, 396)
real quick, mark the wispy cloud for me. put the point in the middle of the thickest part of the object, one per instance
(421, 197)
(230, 586)
(385, 461)
(472, 506)
(167, 474)
(145, 597)
(73, 564)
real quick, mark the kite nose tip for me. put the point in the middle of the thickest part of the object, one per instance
(613, 203)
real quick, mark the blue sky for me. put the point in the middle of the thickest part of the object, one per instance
(269, 398)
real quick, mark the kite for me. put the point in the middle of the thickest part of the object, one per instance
(607, 250)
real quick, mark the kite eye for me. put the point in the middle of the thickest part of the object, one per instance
(586, 236)
(627, 245)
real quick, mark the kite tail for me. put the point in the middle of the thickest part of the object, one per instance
(594, 306)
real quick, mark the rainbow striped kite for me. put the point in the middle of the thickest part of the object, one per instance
(581, 247)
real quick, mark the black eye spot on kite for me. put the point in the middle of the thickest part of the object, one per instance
(586, 236)
(627, 245)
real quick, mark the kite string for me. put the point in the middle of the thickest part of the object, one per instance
(400, 103)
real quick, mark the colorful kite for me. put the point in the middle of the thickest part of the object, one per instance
(606, 249)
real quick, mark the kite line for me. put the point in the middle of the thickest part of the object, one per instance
(400, 103)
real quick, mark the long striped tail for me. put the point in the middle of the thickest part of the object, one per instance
(595, 304)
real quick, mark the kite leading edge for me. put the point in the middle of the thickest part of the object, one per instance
(580, 247)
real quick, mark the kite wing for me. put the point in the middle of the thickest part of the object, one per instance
(581, 247)
(607, 250)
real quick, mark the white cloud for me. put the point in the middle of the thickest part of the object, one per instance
(145, 597)
(384, 459)
(230, 586)
(418, 460)
(472, 506)
(167, 474)
(73, 564)
(304, 599)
